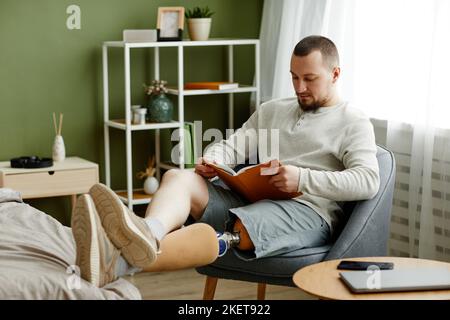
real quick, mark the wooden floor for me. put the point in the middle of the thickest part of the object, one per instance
(188, 285)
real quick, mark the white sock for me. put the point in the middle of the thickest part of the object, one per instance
(156, 227)
(123, 268)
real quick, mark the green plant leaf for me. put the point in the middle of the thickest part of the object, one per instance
(198, 12)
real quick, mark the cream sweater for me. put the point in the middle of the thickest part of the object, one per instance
(333, 148)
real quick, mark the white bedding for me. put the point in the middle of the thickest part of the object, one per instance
(36, 255)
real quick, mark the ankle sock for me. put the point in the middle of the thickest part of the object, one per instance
(123, 268)
(227, 240)
(156, 227)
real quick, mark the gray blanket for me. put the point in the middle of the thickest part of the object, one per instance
(37, 257)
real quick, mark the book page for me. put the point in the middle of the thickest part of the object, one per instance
(222, 167)
(265, 170)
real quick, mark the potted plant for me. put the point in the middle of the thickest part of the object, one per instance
(199, 23)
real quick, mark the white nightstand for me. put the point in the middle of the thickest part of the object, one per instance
(69, 177)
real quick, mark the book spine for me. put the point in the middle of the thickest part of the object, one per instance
(198, 86)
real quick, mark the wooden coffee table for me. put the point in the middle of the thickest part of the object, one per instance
(322, 280)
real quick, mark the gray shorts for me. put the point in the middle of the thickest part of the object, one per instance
(275, 226)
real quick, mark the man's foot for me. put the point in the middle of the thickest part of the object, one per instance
(128, 232)
(96, 255)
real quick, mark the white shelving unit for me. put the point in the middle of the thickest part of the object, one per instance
(131, 196)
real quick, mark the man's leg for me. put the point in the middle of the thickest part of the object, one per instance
(245, 243)
(279, 226)
(182, 192)
(100, 261)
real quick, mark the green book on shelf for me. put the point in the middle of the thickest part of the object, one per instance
(196, 143)
(191, 145)
(188, 145)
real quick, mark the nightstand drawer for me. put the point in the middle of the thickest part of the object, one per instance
(52, 183)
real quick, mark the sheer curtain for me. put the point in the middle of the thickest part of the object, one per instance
(395, 59)
(283, 24)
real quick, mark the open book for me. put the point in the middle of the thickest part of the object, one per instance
(252, 182)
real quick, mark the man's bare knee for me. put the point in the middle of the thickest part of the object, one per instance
(183, 176)
(190, 183)
(172, 174)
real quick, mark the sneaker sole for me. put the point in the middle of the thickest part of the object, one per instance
(84, 231)
(121, 230)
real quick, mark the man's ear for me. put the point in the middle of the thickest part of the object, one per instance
(336, 73)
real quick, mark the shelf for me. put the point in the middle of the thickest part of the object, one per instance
(184, 43)
(241, 89)
(178, 93)
(139, 196)
(120, 124)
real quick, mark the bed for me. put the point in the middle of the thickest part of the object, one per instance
(37, 257)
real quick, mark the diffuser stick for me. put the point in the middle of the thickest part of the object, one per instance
(54, 123)
(60, 123)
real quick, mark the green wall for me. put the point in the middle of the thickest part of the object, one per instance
(45, 68)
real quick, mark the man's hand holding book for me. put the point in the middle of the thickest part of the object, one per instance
(285, 177)
(269, 180)
(204, 170)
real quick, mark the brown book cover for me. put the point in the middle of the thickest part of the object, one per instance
(249, 182)
(212, 85)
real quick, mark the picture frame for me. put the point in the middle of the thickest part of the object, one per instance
(170, 23)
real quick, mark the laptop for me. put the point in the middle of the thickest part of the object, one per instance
(413, 279)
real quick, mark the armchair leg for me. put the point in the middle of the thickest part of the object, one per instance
(210, 288)
(261, 291)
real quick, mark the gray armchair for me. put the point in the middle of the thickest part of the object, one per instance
(364, 234)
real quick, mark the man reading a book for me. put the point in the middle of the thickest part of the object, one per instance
(327, 154)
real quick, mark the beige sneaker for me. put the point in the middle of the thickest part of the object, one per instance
(128, 232)
(96, 255)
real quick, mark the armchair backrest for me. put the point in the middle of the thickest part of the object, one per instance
(366, 232)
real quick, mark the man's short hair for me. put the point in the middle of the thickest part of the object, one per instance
(328, 49)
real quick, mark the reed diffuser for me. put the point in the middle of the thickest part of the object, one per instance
(59, 150)
(151, 184)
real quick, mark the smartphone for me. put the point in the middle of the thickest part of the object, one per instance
(364, 265)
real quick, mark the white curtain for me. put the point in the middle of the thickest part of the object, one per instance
(395, 60)
(284, 23)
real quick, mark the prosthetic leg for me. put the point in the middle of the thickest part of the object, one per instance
(239, 238)
(195, 245)
(188, 247)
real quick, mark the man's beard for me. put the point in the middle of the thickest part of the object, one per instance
(311, 107)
